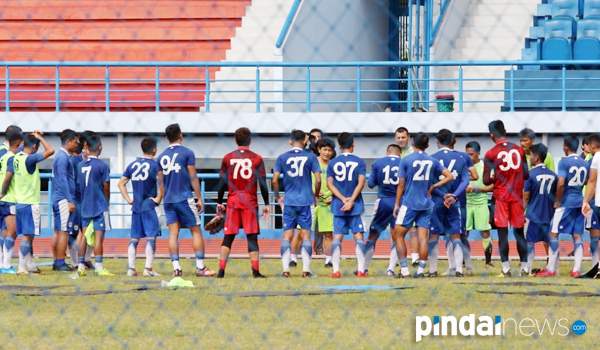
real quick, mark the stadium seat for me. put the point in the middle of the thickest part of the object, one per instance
(587, 46)
(558, 40)
(565, 8)
(591, 8)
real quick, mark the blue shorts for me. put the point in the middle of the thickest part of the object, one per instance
(463, 219)
(297, 216)
(145, 224)
(101, 222)
(383, 214)
(593, 222)
(568, 221)
(343, 224)
(409, 218)
(28, 219)
(62, 216)
(536, 232)
(445, 221)
(185, 212)
(75, 220)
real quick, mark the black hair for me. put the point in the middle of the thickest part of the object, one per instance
(445, 137)
(421, 140)
(395, 147)
(297, 135)
(527, 133)
(474, 145)
(94, 142)
(14, 135)
(173, 132)
(594, 139)
(402, 129)
(30, 140)
(572, 142)
(148, 145)
(496, 128)
(316, 130)
(540, 150)
(326, 143)
(67, 135)
(345, 140)
(243, 136)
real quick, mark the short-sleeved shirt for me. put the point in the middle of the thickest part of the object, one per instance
(345, 170)
(596, 165)
(325, 191)
(174, 162)
(384, 175)
(63, 177)
(93, 173)
(143, 174)
(575, 171)
(457, 166)
(480, 198)
(420, 171)
(507, 161)
(297, 166)
(541, 186)
(241, 169)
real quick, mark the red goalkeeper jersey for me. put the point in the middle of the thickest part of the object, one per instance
(507, 161)
(241, 168)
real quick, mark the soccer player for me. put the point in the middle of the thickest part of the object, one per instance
(241, 171)
(346, 175)
(509, 166)
(63, 201)
(478, 213)
(146, 180)
(568, 218)
(314, 137)
(592, 210)
(4, 210)
(527, 139)
(178, 165)
(416, 177)
(384, 175)
(323, 218)
(93, 181)
(297, 167)
(27, 195)
(7, 197)
(446, 215)
(539, 196)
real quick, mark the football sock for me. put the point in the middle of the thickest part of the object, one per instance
(29, 260)
(88, 252)
(222, 264)
(361, 251)
(1, 251)
(457, 246)
(294, 257)
(530, 256)
(81, 263)
(404, 267)
(552, 254)
(327, 259)
(73, 249)
(254, 263)
(336, 254)
(285, 255)
(59, 262)
(306, 250)
(433, 254)
(487, 248)
(150, 251)
(521, 244)
(450, 254)
(370, 250)
(393, 258)
(24, 249)
(131, 248)
(503, 244)
(578, 243)
(466, 251)
(414, 257)
(422, 265)
(98, 262)
(594, 249)
(200, 259)
(175, 261)
(505, 266)
(9, 244)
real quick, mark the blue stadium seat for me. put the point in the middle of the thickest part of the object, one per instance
(565, 8)
(591, 8)
(587, 46)
(558, 40)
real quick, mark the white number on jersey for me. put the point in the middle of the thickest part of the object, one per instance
(511, 160)
(168, 164)
(141, 171)
(422, 173)
(450, 169)
(297, 166)
(86, 170)
(243, 168)
(391, 181)
(579, 178)
(344, 170)
(547, 181)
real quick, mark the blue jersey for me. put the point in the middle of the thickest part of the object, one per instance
(63, 180)
(457, 166)
(462, 199)
(420, 171)
(575, 170)
(143, 174)
(173, 163)
(75, 160)
(92, 174)
(296, 166)
(541, 186)
(384, 175)
(345, 170)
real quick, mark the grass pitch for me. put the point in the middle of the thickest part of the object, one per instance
(198, 318)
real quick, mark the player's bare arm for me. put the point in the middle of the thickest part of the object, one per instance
(264, 190)
(334, 190)
(123, 189)
(161, 189)
(317, 189)
(526, 196)
(589, 192)
(48, 150)
(196, 187)
(473, 176)
(350, 203)
(6, 184)
(275, 186)
(447, 178)
(399, 193)
(106, 189)
(560, 189)
(488, 167)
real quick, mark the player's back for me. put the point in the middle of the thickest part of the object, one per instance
(62, 165)
(242, 168)
(297, 166)
(143, 174)
(541, 186)
(507, 160)
(575, 170)
(6, 162)
(384, 175)
(173, 162)
(462, 199)
(345, 170)
(420, 170)
(456, 165)
(75, 160)
(93, 173)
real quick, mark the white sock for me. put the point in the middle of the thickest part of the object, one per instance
(306, 251)
(524, 266)
(131, 248)
(8, 257)
(505, 266)
(294, 258)
(88, 252)
(393, 258)
(360, 254)
(370, 246)
(327, 259)
(433, 255)
(336, 254)
(458, 254)
(22, 261)
(530, 257)
(81, 266)
(99, 266)
(450, 254)
(578, 255)
(1, 252)
(176, 265)
(31, 266)
(553, 255)
(414, 257)
(150, 254)
(285, 255)
(73, 252)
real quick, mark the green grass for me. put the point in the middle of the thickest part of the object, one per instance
(199, 318)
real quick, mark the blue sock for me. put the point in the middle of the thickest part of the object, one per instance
(174, 257)
(285, 247)
(98, 259)
(360, 244)
(59, 262)
(200, 259)
(25, 247)
(336, 244)
(9, 242)
(80, 260)
(369, 245)
(404, 263)
(307, 247)
(594, 249)
(465, 243)
(554, 244)
(286, 255)
(152, 243)
(200, 255)
(134, 243)
(1, 241)
(72, 239)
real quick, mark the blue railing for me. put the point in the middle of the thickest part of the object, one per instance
(288, 24)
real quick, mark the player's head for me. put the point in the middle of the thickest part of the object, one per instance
(473, 149)
(594, 143)
(69, 139)
(298, 138)
(526, 139)
(149, 146)
(538, 153)
(94, 145)
(173, 133)
(31, 143)
(83, 141)
(570, 144)
(445, 138)
(14, 135)
(394, 150)
(326, 149)
(243, 137)
(585, 144)
(346, 141)
(315, 136)
(421, 141)
(497, 130)
(402, 137)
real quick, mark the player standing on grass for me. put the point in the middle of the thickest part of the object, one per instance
(568, 218)
(178, 166)
(323, 218)
(9, 134)
(297, 166)
(27, 194)
(507, 161)
(146, 180)
(416, 180)
(592, 212)
(241, 171)
(346, 175)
